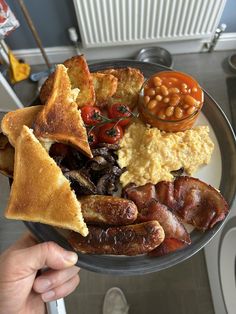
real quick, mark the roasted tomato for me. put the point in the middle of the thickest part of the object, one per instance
(91, 115)
(92, 138)
(117, 111)
(110, 133)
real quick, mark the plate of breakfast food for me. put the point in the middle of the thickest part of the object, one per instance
(130, 164)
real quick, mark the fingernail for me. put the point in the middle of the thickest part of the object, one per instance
(48, 296)
(70, 257)
(43, 284)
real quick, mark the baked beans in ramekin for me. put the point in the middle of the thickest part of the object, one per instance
(170, 101)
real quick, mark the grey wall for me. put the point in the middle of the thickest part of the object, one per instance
(229, 16)
(52, 18)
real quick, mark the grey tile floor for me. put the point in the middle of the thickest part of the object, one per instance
(182, 289)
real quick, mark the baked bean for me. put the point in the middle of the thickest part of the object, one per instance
(178, 112)
(161, 115)
(172, 96)
(169, 111)
(157, 81)
(197, 104)
(164, 90)
(174, 100)
(146, 99)
(191, 110)
(174, 90)
(189, 100)
(150, 92)
(152, 104)
(158, 97)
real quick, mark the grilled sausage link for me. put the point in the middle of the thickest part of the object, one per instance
(125, 240)
(109, 210)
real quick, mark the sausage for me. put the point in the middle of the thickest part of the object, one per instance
(109, 210)
(125, 240)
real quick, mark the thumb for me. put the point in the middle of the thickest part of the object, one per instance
(19, 261)
(48, 254)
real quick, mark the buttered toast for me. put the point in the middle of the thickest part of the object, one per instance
(13, 121)
(80, 77)
(40, 192)
(60, 119)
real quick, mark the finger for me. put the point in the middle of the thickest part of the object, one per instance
(54, 278)
(24, 262)
(61, 291)
(51, 255)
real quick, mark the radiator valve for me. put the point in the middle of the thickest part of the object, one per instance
(74, 38)
(210, 46)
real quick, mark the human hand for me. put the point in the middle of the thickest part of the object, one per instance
(21, 292)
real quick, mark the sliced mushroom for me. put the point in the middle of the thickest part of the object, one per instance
(178, 172)
(80, 182)
(98, 163)
(109, 146)
(103, 183)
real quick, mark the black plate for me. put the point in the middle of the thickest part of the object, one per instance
(124, 265)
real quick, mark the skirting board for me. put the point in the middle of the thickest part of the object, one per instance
(58, 54)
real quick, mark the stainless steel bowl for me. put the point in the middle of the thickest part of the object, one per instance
(232, 61)
(156, 55)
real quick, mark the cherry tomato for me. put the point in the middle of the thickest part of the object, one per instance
(91, 115)
(118, 110)
(110, 133)
(92, 139)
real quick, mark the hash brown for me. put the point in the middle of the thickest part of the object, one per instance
(130, 81)
(105, 86)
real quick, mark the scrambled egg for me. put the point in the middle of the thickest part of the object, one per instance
(150, 154)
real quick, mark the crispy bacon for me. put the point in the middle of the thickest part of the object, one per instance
(194, 201)
(167, 246)
(170, 223)
(165, 193)
(190, 199)
(140, 195)
(199, 203)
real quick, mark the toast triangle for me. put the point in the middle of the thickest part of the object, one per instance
(40, 192)
(13, 121)
(80, 77)
(60, 120)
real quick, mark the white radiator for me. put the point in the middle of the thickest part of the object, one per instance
(124, 22)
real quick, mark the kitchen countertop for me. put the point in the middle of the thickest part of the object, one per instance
(181, 289)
